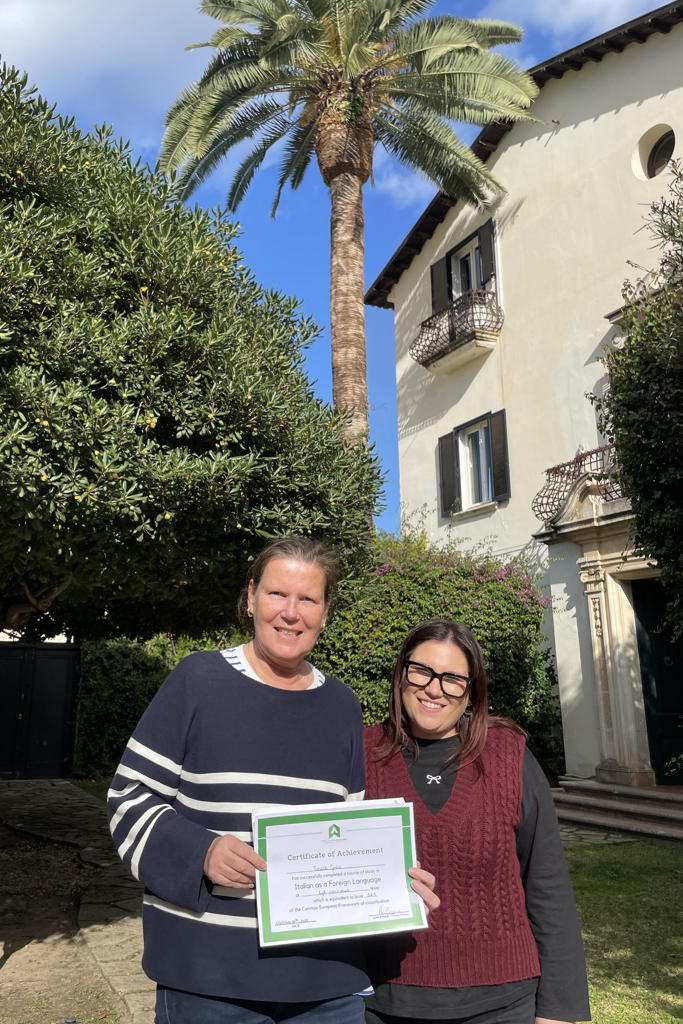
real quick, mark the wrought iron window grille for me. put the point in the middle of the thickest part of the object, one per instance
(600, 463)
(445, 331)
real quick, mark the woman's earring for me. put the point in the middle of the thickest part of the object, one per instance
(467, 713)
(250, 613)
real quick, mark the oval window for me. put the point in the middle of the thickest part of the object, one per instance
(660, 154)
(654, 151)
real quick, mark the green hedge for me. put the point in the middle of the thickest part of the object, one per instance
(118, 679)
(156, 419)
(497, 598)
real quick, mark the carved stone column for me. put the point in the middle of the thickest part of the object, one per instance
(593, 579)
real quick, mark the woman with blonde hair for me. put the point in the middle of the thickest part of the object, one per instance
(229, 731)
(505, 945)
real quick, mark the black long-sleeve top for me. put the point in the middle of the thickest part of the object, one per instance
(562, 989)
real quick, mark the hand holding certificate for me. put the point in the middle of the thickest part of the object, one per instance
(336, 870)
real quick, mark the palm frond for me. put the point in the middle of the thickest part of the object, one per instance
(494, 33)
(246, 122)
(293, 53)
(238, 12)
(316, 10)
(293, 38)
(244, 174)
(456, 108)
(232, 68)
(298, 153)
(358, 58)
(385, 16)
(434, 39)
(427, 144)
(484, 76)
(225, 36)
(204, 107)
(402, 13)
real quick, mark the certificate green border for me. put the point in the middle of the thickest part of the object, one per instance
(268, 937)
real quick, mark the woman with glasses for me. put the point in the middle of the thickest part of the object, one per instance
(505, 945)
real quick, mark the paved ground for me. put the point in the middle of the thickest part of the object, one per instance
(105, 934)
(581, 835)
(108, 928)
(47, 974)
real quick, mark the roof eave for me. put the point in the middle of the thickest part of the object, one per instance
(659, 21)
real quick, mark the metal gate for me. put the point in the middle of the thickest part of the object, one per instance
(37, 709)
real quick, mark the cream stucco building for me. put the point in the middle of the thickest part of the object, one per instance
(501, 316)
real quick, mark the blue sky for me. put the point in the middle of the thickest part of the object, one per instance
(125, 62)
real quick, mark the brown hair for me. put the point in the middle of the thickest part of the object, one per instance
(300, 549)
(472, 728)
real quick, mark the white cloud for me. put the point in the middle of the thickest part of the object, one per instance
(567, 17)
(123, 62)
(405, 189)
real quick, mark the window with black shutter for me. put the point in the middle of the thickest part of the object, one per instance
(440, 286)
(470, 265)
(500, 476)
(448, 473)
(486, 251)
(473, 464)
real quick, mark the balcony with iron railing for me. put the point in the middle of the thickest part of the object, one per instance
(599, 463)
(465, 329)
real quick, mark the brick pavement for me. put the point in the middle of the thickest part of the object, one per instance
(110, 915)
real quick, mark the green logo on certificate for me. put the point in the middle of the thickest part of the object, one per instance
(334, 830)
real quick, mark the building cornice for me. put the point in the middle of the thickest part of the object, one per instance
(639, 30)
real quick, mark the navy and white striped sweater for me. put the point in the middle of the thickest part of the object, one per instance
(212, 745)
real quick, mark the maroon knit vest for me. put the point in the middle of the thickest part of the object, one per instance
(480, 934)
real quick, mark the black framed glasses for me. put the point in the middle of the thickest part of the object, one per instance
(420, 676)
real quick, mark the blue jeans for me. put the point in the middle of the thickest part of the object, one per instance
(174, 1007)
(522, 1011)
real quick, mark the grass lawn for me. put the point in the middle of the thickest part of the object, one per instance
(630, 899)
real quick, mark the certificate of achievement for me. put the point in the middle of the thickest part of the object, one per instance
(335, 870)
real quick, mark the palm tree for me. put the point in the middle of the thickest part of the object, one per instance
(334, 78)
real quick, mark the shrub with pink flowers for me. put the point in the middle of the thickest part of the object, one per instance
(498, 598)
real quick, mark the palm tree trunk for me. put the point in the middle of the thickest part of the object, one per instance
(347, 309)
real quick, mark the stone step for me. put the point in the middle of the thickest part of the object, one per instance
(666, 795)
(614, 823)
(640, 809)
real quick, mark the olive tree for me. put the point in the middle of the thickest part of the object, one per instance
(156, 423)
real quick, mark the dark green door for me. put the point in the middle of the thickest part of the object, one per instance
(661, 667)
